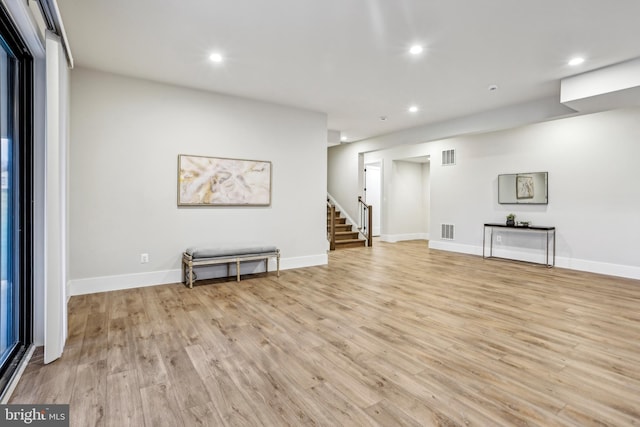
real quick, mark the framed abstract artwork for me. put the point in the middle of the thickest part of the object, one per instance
(216, 181)
(524, 187)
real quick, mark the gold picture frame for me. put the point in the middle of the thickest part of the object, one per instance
(219, 181)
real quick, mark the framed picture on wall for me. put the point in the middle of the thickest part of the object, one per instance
(216, 181)
(524, 187)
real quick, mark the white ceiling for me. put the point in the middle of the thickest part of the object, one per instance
(349, 58)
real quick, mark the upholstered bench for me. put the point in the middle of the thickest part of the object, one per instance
(196, 257)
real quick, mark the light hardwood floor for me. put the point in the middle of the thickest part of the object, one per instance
(391, 335)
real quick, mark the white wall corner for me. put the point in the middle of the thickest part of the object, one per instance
(333, 137)
(615, 86)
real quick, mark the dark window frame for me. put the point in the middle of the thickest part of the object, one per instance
(23, 127)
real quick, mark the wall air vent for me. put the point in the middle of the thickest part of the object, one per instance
(447, 231)
(448, 157)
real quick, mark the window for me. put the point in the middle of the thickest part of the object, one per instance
(16, 212)
(7, 325)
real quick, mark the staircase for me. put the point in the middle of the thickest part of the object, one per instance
(345, 237)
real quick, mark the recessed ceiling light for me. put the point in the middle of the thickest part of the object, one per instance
(216, 57)
(576, 61)
(343, 138)
(416, 49)
(413, 109)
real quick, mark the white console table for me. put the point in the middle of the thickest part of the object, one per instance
(550, 259)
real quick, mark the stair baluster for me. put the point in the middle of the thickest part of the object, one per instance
(366, 221)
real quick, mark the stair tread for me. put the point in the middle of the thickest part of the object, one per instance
(345, 235)
(346, 242)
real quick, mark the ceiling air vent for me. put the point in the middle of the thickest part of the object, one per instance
(447, 231)
(448, 157)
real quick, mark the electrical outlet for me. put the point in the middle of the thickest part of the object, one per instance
(144, 258)
(499, 239)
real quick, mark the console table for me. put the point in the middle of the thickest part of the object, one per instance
(549, 231)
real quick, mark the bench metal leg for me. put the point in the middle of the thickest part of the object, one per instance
(238, 270)
(190, 275)
(278, 263)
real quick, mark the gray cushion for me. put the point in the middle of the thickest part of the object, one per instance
(198, 253)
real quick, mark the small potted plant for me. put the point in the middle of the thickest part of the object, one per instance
(511, 220)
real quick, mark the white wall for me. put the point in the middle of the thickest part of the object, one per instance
(343, 177)
(594, 198)
(126, 135)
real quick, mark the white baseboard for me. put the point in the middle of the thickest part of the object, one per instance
(139, 280)
(454, 247)
(393, 238)
(619, 270)
(303, 261)
(627, 271)
(93, 285)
